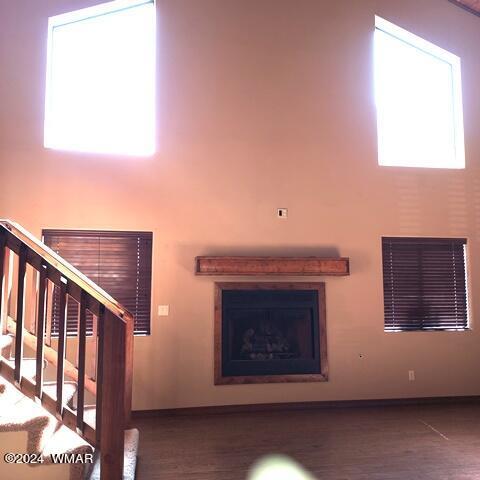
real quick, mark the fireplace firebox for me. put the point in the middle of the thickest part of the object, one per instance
(270, 332)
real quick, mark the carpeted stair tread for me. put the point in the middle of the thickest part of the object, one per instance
(26, 415)
(22, 413)
(69, 390)
(90, 415)
(29, 367)
(65, 440)
(6, 342)
(9, 395)
(129, 459)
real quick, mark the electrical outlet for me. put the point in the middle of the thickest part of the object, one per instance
(411, 375)
(282, 213)
(163, 310)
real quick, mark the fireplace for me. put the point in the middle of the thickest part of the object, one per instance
(270, 332)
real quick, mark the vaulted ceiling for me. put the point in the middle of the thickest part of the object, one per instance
(472, 6)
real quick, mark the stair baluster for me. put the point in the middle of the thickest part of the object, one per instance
(21, 294)
(4, 260)
(62, 339)
(41, 310)
(82, 341)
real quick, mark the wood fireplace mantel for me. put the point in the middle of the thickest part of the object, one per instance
(271, 266)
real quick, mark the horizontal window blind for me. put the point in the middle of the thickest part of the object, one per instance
(119, 262)
(424, 283)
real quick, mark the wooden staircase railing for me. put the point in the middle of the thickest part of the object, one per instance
(111, 382)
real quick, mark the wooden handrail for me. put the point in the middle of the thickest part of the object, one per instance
(65, 268)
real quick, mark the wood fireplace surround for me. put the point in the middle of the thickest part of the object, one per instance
(268, 332)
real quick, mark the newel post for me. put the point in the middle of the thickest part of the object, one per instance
(111, 401)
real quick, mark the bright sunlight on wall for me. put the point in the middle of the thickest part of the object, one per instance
(418, 97)
(100, 94)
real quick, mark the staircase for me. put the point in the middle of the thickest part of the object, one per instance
(70, 393)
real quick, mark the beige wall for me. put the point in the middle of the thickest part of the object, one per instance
(261, 104)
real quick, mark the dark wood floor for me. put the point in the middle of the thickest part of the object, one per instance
(434, 442)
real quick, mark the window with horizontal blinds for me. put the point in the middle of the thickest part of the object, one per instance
(119, 262)
(424, 284)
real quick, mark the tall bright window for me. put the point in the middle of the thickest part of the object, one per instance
(100, 95)
(418, 97)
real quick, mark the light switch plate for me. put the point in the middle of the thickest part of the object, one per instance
(163, 310)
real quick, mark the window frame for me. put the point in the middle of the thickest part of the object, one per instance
(419, 43)
(404, 241)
